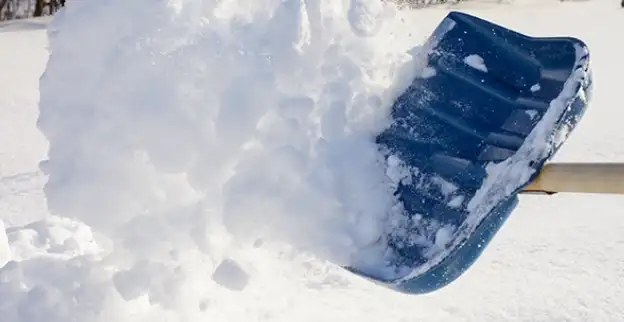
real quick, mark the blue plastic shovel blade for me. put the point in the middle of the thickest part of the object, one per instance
(492, 107)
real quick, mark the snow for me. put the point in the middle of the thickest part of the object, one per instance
(215, 141)
(159, 125)
(5, 248)
(476, 62)
(229, 274)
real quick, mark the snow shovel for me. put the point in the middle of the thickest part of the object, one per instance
(470, 134)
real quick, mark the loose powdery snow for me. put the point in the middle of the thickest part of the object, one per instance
(182, 132)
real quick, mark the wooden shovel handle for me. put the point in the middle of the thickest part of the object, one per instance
(603, 178)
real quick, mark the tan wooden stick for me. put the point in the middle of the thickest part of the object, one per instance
(603, 178)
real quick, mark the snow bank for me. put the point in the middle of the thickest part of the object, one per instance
(184, 133)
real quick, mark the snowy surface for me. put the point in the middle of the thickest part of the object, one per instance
(147, 167)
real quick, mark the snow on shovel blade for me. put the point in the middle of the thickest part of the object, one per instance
(492, 108)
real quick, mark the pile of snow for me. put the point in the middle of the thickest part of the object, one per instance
(186, 133)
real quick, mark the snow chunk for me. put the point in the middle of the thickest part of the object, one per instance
(365, 17)
(447, 188)
(456, 201)
(443, 236)
(53, 275)
(428, 72)
(476, 62)
(231, 275)
(531, 113)
(55, 236)
(397, 170)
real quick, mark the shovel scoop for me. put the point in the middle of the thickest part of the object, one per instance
(468, 135)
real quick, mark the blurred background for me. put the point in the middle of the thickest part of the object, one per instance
(19, 9)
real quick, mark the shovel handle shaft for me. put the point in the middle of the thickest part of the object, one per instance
(602, 178)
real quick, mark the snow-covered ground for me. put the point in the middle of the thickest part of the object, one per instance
(164, 235)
